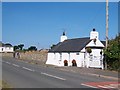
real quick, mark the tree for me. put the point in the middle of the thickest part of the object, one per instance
(32, 48)
(52, 46)
(16, 48)
(112, 53)
(21, 46)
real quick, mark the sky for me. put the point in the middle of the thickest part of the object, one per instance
(59, 0)
(42, 23)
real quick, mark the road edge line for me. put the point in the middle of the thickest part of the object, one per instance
(53, 76)
(88, 85)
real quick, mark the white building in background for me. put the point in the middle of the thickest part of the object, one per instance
(6, 48)
(74, 52)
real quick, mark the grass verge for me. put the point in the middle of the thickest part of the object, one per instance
(4, 85)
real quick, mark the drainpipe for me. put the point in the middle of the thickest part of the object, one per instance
(69, 59)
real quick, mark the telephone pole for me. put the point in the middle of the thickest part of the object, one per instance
(107, 20)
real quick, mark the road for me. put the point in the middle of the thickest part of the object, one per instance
(20, 74)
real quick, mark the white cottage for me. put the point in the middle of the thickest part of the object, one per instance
(6, 48)
(80, 52)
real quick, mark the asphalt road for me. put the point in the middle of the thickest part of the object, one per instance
(24, 75)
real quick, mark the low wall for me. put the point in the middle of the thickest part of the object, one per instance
(7, 54)
(38, 56)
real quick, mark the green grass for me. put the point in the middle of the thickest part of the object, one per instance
(4, 85)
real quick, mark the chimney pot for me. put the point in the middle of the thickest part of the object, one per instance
(94, 29)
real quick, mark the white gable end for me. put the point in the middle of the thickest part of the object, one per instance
(95, 44)
(83, 50)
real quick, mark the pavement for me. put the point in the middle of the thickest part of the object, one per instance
(114, 75)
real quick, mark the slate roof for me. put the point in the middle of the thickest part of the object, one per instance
(7, 45)
(103, 42)
(71, 45)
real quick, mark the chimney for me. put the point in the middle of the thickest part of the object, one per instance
(94, 34)
(63, 37)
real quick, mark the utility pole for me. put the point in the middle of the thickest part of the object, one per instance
(107, 20)
(38, 46)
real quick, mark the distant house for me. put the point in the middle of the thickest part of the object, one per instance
(80, 52)
(6, 47)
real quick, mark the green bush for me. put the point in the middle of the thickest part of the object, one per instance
(112, 54)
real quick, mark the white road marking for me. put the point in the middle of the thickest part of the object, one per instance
(98, 86)
(115, 85)
(28, 69)
(8, 62)
(105, 86)
(53, 76)
(88, 85)
(15, 65)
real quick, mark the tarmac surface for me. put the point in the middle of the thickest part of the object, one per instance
(113, 76)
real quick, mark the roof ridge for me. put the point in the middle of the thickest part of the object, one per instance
(79, 38)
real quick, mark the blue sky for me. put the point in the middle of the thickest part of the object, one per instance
(42, 23)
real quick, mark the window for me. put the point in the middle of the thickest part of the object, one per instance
(2, 49)
(60, 56)
(77, 53)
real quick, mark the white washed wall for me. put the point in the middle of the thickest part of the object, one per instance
(65, 56)
(6, 49)
(1, 49)
(81, 60)
(97, 60)
(50, 58)
(55, 59)
(72, 56)
(96, 52)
